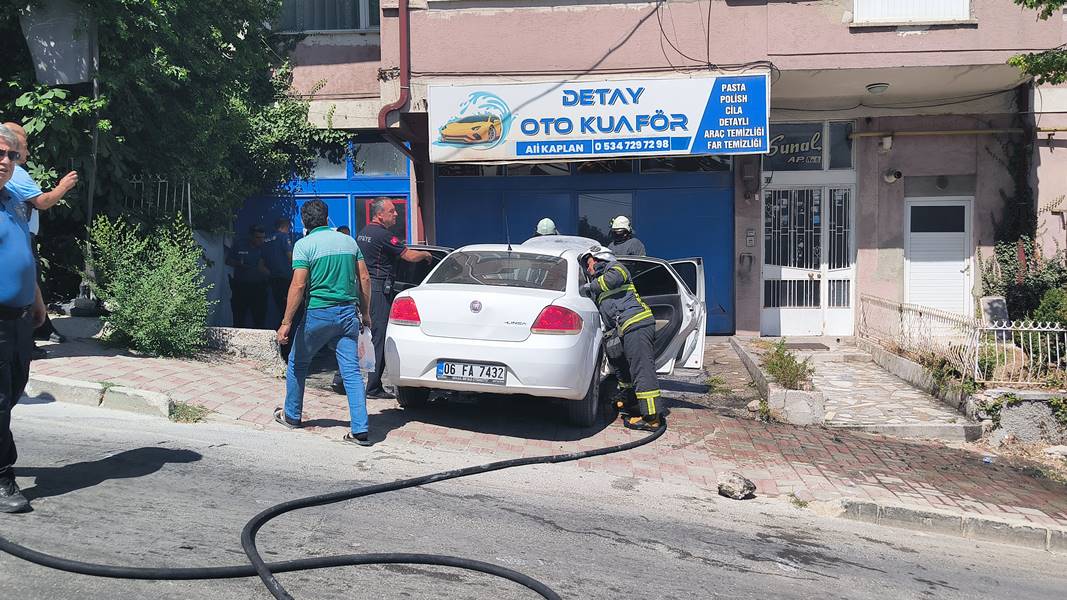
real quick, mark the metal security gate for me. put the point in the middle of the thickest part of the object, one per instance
(676, 214)
(808, 261)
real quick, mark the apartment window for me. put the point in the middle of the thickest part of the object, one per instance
(330, 15)
(910, 11)
(378, 158)
(328, 169)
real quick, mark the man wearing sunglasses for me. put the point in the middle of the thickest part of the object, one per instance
(21, 309)
(25, 189)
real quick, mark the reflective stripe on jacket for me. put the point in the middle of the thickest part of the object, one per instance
(615, 295)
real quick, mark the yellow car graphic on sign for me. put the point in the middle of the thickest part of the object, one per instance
(473, 129)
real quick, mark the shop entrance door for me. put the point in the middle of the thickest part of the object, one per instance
(808, 266)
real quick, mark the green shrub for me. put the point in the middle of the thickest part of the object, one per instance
(1018, 272)
(1053, 307)
(782, 364)
(153, 286)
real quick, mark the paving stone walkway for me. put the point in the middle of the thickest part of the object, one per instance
(708, 435)
(862, 393)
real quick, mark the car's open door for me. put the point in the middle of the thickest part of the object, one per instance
(677, 310)
(691, 270)
(409, 274)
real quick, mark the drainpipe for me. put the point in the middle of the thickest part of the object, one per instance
(405, 67)
(405, 95)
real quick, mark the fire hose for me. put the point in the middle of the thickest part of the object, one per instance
(266, 571)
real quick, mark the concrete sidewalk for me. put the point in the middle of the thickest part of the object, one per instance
(940, 486)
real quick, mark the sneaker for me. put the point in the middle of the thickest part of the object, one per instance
(358, 438)
(381, 395)
(11, 498)
(282, 419)
(57, 338)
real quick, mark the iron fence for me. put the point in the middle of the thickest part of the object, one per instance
(1025, 353)
(159, 195)
(912, 329)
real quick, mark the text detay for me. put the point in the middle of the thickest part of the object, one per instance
(603, 96)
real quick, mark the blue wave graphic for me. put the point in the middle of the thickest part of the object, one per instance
(481, 103)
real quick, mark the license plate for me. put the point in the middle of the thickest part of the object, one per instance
(473, 372)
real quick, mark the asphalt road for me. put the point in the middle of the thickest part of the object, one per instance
(121, 489)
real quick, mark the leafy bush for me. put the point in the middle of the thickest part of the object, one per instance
(1053, 307)
(783, 366)
(1019, 273)
(152, 285)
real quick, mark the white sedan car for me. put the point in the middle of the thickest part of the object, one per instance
(501, 319)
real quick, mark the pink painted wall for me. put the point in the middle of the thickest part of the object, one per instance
(348, 63)
(1049, 174)
(795, 35)
(747, 261)
(880, 221)
(807, 35)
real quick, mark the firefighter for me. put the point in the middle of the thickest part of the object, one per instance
(623, 242)
(630, 322)
(546, 226)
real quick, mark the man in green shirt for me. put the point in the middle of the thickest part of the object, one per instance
(326, 266)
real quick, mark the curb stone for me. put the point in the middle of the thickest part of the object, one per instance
(74, 391)
(137, 401)
(90, 393)
(966, 525)
(956, 432)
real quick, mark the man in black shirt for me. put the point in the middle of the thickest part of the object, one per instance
(382, 248)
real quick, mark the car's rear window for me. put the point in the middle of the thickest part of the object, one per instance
(506, 269)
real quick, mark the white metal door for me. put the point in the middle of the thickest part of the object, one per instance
(840, 266)
(938, 253)
(808, 266)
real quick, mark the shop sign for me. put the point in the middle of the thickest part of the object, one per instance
(795, 147)
(599, 119)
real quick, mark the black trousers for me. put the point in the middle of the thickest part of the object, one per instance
(636, 369)
(249, 297)
(379, 316)
(46, 329)
(279, 290)
(16, 346)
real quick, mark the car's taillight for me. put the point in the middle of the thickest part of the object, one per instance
(404, 312)
(557, 320)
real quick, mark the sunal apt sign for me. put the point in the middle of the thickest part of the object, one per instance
(599, 119)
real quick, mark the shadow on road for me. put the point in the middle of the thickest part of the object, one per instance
(524, 417)
(56, 481)
(41, 398)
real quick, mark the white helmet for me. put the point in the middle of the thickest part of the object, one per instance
(598, 252)
(621, 222)
(546, 227)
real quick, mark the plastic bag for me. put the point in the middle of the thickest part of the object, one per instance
(365, 349)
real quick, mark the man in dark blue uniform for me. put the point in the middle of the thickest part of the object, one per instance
(248, 287)
(382, 248)
(278, 257)
(21, 309)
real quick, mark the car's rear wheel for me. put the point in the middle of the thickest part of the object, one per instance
(411, 397)
(584, 412)
(492, 134)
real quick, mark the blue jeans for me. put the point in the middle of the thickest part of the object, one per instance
(338, 325)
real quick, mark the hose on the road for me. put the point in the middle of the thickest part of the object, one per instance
(266, 571)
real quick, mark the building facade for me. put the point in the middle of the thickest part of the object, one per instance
(882, 173)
